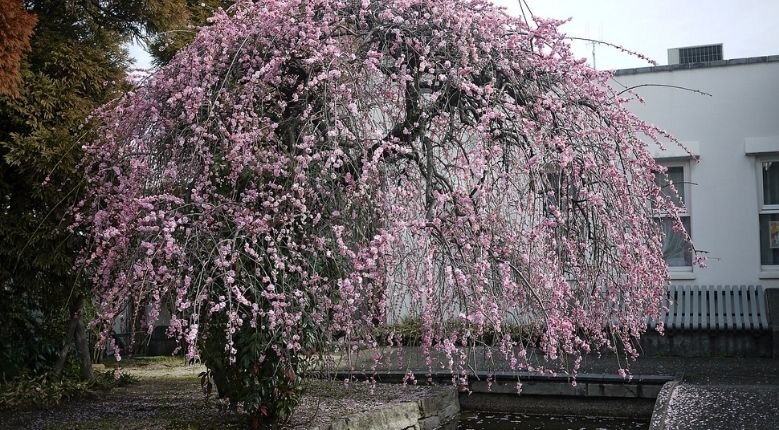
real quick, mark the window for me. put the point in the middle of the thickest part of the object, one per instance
(768, 217)
(676, 251)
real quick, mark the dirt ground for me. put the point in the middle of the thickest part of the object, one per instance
(168, 397)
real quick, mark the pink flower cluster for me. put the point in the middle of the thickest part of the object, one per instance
(345, 164)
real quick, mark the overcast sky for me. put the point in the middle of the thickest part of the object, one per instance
(747, 28)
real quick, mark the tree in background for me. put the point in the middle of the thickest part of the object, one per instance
(304, 173)
(76, 62)
(16, 26)
(163, 45)
(74, 65)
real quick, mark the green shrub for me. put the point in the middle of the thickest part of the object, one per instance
(263, 377)
(408, 332)
(41, 391)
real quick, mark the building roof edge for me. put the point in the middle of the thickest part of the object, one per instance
(691, 66)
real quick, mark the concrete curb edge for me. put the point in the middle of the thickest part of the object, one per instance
(660, 412)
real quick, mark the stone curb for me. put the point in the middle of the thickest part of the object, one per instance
(421, 375)
(429, 413)
(660, 412)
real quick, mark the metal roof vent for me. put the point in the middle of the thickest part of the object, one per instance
(695, 54)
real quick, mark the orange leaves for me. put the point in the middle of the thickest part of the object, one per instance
(16, 27)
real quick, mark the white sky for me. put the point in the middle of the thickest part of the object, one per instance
(747, 28)
(139, 56)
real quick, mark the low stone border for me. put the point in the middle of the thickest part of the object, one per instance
(427, 414)
(661, 406)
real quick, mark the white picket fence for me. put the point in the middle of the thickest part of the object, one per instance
(716, 307)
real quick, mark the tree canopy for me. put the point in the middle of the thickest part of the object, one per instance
(306, 172)
(74, 62)
(16, 26)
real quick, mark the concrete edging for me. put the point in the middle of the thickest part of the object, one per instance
(427, 414)
(660, 412)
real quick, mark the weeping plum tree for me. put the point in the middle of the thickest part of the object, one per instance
(305, 173)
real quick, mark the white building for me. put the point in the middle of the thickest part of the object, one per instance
(732, 191)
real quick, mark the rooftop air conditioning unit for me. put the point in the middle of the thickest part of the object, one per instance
(695, 54)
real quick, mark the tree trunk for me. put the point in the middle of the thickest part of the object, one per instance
(138, 333)
(63, 357)
(76, 332)
(82, 347)
(220, 380)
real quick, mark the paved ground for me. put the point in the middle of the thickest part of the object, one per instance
(714, 393)
(723, 406)
(723, 393)
(168, 397)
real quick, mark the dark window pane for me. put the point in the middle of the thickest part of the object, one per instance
(771, 183)
(675, 177)
(676, 251)
(769, 239)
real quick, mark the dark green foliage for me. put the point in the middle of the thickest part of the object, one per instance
(164, 45)
(42, 391)
(26, 342)
(73, 67)
(266, 384)
(76, 63)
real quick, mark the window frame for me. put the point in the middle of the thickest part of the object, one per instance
(764, 209)
(686, 213)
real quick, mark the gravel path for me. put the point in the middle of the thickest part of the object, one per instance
(168, 397)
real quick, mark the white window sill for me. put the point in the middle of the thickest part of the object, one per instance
(769, 274)
(681, 275)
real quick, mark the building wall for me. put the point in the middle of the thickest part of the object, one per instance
(742, 113)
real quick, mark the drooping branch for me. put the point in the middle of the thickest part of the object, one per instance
(322, 171)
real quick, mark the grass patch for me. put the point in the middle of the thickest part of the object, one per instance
(141, 362)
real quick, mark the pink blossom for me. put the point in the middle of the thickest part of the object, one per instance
(345, 165)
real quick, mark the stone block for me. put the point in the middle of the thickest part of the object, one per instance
(433, 404)
(495, 387)
(394, 417)
(620, 390)
(649, 391)
(430, 423)
(450, 412)
(531, 387)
